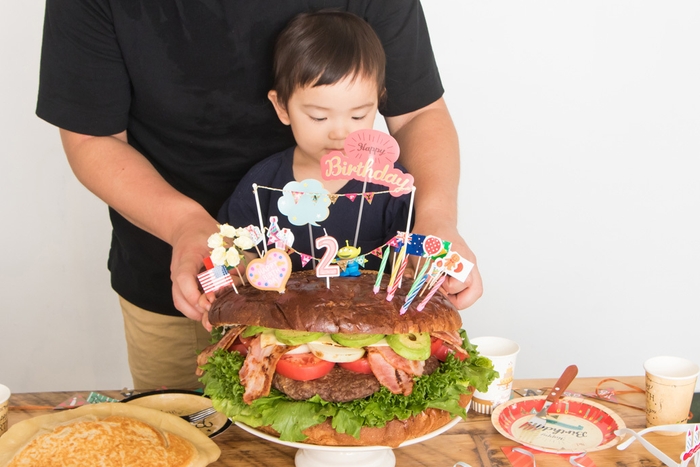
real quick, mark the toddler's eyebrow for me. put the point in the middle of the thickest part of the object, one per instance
(320, 107)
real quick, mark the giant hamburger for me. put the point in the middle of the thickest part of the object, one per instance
(339, 365)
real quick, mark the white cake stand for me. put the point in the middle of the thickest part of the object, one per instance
(312, 455)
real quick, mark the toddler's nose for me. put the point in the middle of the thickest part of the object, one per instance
(339, 133)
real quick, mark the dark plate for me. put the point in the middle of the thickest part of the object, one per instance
(182, 402)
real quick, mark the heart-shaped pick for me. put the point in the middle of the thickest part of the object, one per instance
(270, 272)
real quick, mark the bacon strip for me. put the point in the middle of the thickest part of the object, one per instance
(452, 337)
(412, 367)
(259, 368)
(452, 341)
(396, 381)
(224, 343)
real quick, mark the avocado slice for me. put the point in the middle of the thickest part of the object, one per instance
(290, 337)
(357, 340)
(250, 331)
(412, 346)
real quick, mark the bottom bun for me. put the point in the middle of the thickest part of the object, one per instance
(392, 434)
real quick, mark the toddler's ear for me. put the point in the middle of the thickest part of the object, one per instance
(279, 108)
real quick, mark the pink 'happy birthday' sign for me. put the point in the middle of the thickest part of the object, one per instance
(369, 155)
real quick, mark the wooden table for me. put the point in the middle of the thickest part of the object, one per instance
(474, 441)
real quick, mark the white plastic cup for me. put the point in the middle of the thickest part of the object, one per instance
(670, 384)
(502, 353)
(4, 407)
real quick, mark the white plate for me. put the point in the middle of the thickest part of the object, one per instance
(314, 455)
(317, 447)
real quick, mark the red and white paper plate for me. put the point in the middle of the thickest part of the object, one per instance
(574, 425)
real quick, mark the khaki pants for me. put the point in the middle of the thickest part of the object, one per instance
(162, 349)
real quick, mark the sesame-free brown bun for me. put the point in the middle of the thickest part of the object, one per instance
(349, 307)
(392, 434)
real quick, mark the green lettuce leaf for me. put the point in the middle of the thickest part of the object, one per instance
(440, 390)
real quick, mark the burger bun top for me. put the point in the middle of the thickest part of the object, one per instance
(349, 306)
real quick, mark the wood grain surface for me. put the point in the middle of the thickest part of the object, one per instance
(474, 441)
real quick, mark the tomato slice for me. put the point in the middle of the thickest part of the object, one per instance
(241, 345)
(303, 367)
(435, 344)
(246, 340)
(439, 350)
(358, 366)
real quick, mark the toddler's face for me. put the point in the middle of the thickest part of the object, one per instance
(321, 117)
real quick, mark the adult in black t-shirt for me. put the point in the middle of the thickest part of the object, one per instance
(162, 108)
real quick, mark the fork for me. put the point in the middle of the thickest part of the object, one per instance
(198, 416)
(540, 419)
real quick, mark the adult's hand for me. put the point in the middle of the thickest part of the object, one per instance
(189, 242)
(461, 294)
(430, 152)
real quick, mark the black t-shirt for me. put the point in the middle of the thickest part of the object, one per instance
(188, 81)
(381, 218)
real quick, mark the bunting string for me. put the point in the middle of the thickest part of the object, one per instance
(368, 195)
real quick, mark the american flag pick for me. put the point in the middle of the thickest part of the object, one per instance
(215, 278)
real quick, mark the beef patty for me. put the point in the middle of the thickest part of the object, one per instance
(339, 385)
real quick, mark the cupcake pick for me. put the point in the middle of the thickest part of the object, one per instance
(215, 278)
(457, 267)
(304, 202)
(270, 272)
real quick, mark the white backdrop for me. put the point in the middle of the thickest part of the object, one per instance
(578, 125)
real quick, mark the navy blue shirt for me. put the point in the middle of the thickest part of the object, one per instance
(381, 219)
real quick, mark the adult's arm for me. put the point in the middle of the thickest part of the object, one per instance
(430, 151)
(124, 179)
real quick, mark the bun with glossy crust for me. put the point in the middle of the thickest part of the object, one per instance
(392, 434)
(349, 307)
